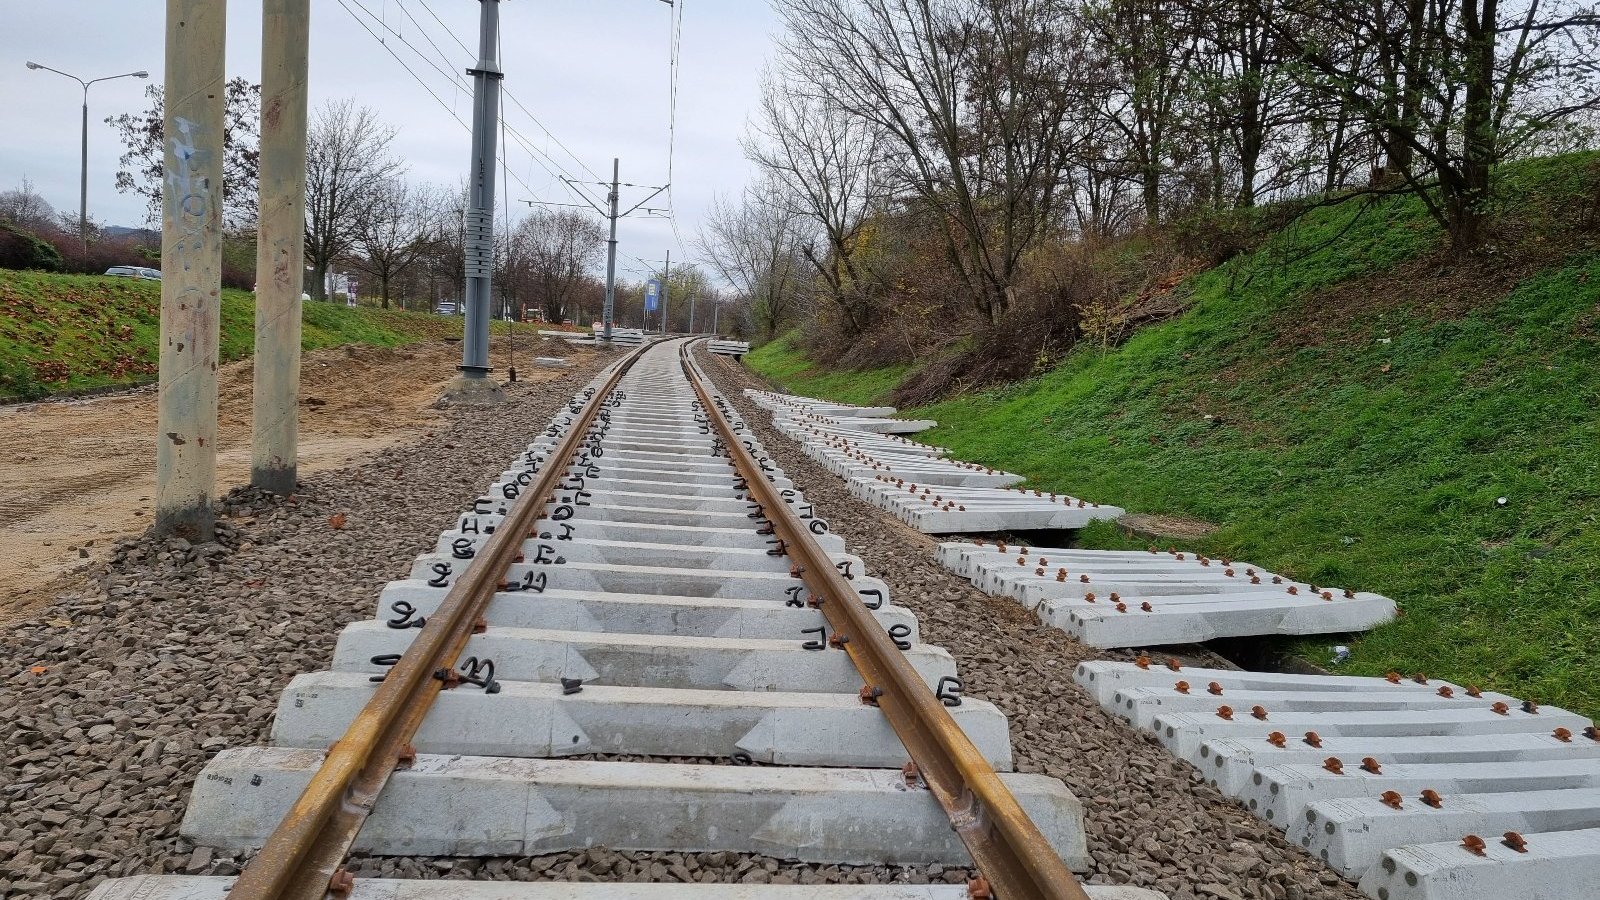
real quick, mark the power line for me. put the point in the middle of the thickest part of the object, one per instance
(390, 28)
(455, 79)
(559, 172)
(426, 36)
(412, 72)
(675, 55)
(445, 27)
(512, 97)
(362, 22)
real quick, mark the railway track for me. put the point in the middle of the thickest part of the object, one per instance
(640, 637)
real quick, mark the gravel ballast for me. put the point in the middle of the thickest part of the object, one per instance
(114, 696)
(1152, 820)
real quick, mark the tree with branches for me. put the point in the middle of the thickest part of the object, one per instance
(143, 159)
(347, 165)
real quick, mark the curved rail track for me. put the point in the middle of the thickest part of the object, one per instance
(641, 585)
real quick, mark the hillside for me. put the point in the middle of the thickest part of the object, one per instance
(1345, 406)
(63, 333)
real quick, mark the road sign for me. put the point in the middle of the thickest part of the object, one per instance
(652, 295)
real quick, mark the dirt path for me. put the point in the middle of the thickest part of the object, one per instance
(77, 475)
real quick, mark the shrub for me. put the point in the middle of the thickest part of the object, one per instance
(1216, 236)
(101, 255)
(21, 250)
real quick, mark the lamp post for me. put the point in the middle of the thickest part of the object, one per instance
(83, 175)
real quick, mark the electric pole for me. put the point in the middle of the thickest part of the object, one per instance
(191, 269)
(666, 281)
(473, 385)
(280, 245)
(611, 249)
(611, 214)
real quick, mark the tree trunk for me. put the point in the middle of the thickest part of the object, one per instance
(1469, 210)
(319, 278)
(1151, 183)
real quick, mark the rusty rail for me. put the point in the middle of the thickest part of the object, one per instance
(1011, 854)
(301, 859)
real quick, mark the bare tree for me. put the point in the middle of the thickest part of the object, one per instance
(347, 162)
(828, 168)
(445, 260)
(1449, 89)
(26, 208)
(394, 231)
(754, 245)
(1150, 53)
(144, 153)
(555, 251)
(973, 94)
(687, 287)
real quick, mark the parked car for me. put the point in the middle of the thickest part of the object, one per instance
(304, 297)
(446, 308)
(135, 272)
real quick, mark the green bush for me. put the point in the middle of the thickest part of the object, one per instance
(21, 250)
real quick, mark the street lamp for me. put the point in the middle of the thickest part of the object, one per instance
(83, 176)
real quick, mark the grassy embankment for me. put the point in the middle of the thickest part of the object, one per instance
(62, 333)
(1371, 409)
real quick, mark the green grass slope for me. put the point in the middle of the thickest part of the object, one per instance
(782, 362)
(1371, 429)
(63, 333)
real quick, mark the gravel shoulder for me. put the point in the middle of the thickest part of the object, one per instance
(1152, 820)
(115, 693)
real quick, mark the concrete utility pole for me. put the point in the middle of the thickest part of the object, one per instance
(191, 269)
(611, 248)
(691, 310)
(473, 385)
(280, 244)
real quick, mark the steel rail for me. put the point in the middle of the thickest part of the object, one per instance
(1010, 852)
(301, 859)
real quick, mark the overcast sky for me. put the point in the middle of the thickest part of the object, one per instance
(594, 72)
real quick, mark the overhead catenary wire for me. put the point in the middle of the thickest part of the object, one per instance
(512, 97)
(558, 172)
(675, 28)
(674, 60)
(543, 159)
